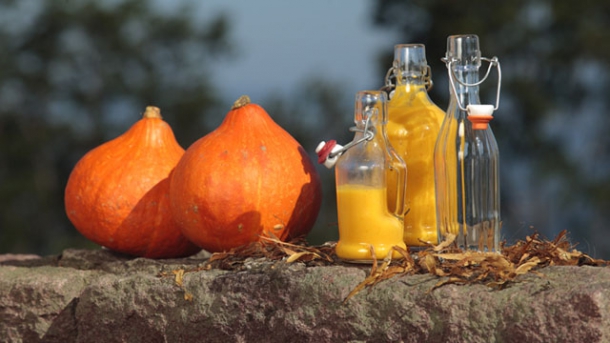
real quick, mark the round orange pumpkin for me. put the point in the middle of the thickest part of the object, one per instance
(118, 193)
(247, 178)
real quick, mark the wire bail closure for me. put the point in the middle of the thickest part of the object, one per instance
(328, 152)
(453, 78)
(368, 135)
(393, 71)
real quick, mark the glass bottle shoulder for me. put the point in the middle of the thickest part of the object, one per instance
(411, 109)
(412, 98)
(481, 143)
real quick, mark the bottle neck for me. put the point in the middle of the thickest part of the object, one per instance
(410, 65)
(464, 92)
(411, 80)
(370, 116)
(371, 107)
(463, 58)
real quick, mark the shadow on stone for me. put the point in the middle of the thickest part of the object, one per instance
(63, 328)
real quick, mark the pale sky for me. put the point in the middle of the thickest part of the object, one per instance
(279, 43)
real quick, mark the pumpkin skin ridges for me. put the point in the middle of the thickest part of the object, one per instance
(226, 192)
(114, 195)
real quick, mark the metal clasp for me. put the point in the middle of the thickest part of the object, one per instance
(392, 74)
(329, 152)
(452, 78)
(369, 134)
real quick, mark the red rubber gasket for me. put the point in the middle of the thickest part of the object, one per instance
(326, 150)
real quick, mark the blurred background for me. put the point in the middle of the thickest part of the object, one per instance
(76, 73)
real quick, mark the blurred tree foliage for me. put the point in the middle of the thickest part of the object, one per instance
(74, 74)
(552, 122)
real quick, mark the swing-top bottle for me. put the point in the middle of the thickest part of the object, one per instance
(414, 122)
(466, 155)
(367, 223)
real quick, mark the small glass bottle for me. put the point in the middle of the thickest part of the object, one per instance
(414, 122)
(466, 157)
(366, 223)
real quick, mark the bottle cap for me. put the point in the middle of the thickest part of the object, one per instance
(480, 115)
(464, 49)
(410, 61)
(324, 149)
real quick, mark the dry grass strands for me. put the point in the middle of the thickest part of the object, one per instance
(268, 249)
(385, 271)
(179, 281)
(445, 260)
(272, 249)
(495, 270)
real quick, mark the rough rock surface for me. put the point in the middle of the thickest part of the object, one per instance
(98, 296)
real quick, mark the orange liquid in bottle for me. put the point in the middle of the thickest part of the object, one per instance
(365, 221)
(413, 127)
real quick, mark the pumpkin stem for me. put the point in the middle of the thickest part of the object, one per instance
(242, 101)
(152, 112)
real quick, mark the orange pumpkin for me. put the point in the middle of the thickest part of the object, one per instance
(117, 194)
(247, 178)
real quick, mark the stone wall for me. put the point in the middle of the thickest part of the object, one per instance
(98, 296)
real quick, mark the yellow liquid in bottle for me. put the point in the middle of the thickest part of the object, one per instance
(364, 221)
(413, 127)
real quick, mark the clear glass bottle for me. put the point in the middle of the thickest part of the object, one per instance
(414, 123)
(365, 218)
(466, 157)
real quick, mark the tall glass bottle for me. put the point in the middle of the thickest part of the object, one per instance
(365, 218)
(414, 122)
(466, 157)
